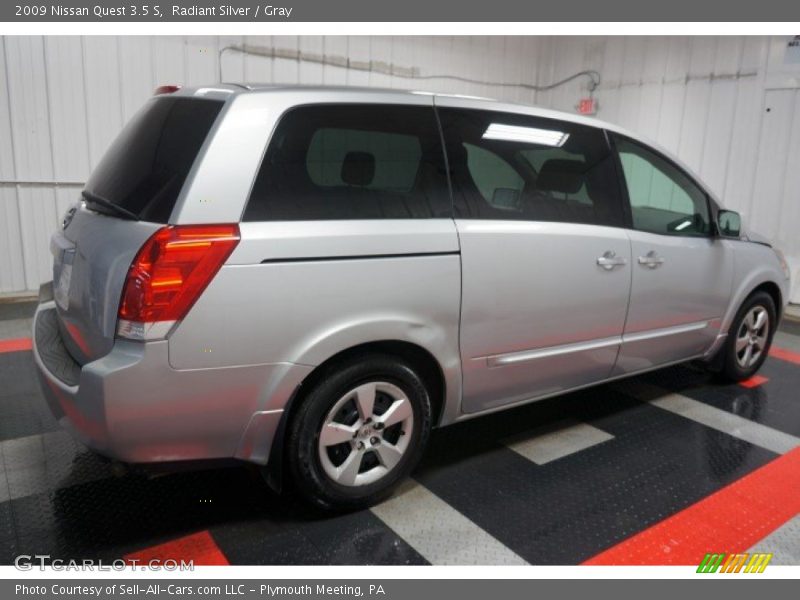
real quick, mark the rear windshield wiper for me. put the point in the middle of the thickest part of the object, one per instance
(105, 203)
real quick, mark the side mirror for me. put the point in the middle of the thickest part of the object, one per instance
(729, 223)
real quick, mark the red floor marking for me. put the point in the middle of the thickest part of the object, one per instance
(730, 520)
(198, 547)
(785, 354)
(16, 345)
(754, 381)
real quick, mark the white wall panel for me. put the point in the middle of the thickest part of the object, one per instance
(66, 102)
(201, 54)
(30, 126)
(256, 68)
(285, 70)
(717, 133)
(12, 263)
(311, 72)
(776, 152)
(64, 98)
(7, 171)
(12, 268)
(743, 151)
(102, 81)
(138, 78)
(358, 51)
(337, 46)
(167, 60)
(790, 199)
(380, 51)
(652, 95)
(37, 217)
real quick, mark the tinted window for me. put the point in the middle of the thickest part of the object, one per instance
(497, 181)
(507, 166)
(396, 157)
(352, 162)
(144, 169)
(663, 198)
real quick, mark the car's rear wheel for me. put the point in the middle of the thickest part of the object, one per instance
(749, 337)
(358, 432)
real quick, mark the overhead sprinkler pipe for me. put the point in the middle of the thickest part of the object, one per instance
(384, 68)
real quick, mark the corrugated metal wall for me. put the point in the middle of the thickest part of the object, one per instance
(64, 98)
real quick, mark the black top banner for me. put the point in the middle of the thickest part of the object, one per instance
(400, 10)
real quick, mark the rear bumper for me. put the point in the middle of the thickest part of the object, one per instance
(132, 406)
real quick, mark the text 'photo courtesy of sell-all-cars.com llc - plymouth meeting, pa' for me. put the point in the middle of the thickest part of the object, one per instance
(311, 279)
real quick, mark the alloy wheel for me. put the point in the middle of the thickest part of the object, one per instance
(751, 339)
(366, 433)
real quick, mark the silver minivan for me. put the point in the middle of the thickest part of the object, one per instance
(311, 279)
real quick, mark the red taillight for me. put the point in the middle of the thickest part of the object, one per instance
(168, 275)
(166, 89)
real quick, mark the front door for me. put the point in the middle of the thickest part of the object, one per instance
(682, 275)
(545, 261)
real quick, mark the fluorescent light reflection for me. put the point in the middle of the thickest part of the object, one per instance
(529, 135)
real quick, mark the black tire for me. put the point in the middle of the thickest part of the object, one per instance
(731, 367)
(303, 451)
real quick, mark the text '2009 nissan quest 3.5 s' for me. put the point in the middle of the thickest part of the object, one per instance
(310, 279)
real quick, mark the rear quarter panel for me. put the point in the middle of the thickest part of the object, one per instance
(325, 288)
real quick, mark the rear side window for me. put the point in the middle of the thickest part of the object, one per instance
(352, 162)
(514, 167)
(145, 168)
(663, 198)
(396, 158)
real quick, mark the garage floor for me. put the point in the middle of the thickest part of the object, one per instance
(656, 470)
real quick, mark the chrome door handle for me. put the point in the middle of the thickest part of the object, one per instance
(651, 260)
(609, 260)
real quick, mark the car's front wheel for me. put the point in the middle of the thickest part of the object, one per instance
(749, 337)
(358, 432)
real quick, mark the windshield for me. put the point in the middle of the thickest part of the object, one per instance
(144, 169)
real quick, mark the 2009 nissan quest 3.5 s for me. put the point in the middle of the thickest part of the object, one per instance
(310, 279)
